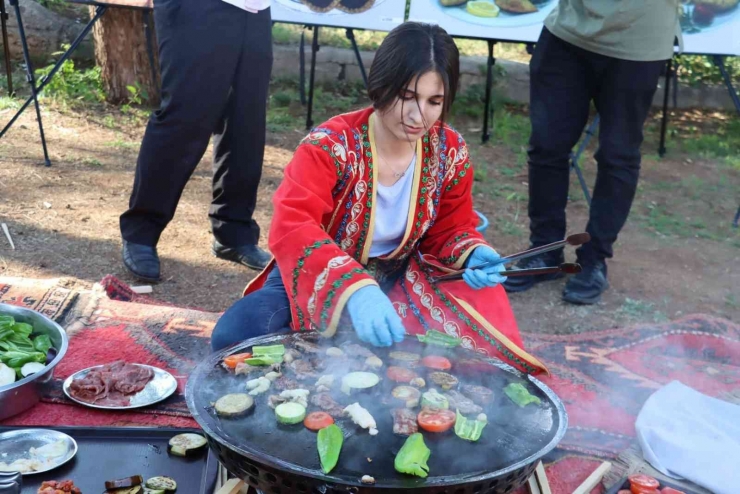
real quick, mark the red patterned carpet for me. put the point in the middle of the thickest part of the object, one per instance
(603, 377)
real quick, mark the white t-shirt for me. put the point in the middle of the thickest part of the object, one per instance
(256, 5)
(391, 214)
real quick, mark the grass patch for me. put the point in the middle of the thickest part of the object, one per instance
(640, 310)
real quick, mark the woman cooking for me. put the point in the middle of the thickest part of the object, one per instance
(374, 204)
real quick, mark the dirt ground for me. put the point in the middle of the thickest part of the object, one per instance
(677, 255)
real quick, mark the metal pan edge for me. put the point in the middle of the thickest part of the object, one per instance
(54, 436)
(159, 374)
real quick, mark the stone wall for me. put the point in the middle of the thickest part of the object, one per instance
(511, 78)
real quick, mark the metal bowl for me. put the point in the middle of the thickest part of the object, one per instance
(22, 395)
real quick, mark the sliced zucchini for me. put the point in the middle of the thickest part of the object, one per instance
(358, 381)
(290, 413)
(127, 482)
(161, 484)
(234, 405)
(186, 444)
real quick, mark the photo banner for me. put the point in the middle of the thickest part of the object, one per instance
(505, 20)
(373, 15)
(711, 27)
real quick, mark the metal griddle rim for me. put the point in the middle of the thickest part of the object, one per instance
(274, 462)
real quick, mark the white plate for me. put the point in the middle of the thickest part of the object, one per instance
(162, 386)
(504, 19)
(299, 7)
(15, 445)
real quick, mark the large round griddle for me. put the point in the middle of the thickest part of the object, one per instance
(268, 454)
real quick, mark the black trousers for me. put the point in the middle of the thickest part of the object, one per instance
(215, 61)
(564, 81)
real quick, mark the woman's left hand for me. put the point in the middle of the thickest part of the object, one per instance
(486, 276)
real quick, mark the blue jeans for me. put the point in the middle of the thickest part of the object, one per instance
(265, 311)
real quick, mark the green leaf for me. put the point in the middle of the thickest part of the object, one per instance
(42, 343)
(23, 329)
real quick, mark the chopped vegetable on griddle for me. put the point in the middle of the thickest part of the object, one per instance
(234, 405)
(161, 483)
(439, 339)
(519, 395)
(469, 429)
(290, 413)
(329, 443)
(432, 399)
(413, 456)
(359, 381)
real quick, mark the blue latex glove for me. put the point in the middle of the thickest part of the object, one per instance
(487, 276)
(374, 318)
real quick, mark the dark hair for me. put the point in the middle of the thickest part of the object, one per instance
(409, 51)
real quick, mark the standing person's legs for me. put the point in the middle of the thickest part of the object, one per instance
(262, 312)
(239, 145)
(623, 100)
(560, 93)
(198, 58)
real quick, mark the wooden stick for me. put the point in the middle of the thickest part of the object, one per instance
(593, 479)
(231, 487)
(541, 477)
(7, 234)
(534, 487)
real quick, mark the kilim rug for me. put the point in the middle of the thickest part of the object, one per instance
(603, 377)
(49, 297)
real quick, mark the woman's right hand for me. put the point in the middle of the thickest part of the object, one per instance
(374, 318)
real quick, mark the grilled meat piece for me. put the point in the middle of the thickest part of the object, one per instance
(307, 347)
(404, 421)
(283, 383)
(478, 394)
(303, 369)
(460, 402)
(325, 402)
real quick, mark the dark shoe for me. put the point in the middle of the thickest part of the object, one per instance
(523, 283)
(141, 260)
(249, 255)
(587, 286)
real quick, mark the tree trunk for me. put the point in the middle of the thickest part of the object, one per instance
(121, 54)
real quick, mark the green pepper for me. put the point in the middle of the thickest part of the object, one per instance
(23, 329)
(329, 443)
(468, 429)
(439, 339)
(42, 343)
(519, 395)
(272, 350)
(413, 456)
(264, 360)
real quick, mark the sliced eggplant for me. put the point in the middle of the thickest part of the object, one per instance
(127, 482)
(373, 362)
(161, 484)
(407, 395)
(444, 380)
(137, 489)
(154, 491)
(405, 358)
(334, 352)
(187, 444)
(358, 381)
(234, 405)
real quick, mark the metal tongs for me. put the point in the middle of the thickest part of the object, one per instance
(567, 267)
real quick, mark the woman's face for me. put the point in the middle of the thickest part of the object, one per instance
(416, 108)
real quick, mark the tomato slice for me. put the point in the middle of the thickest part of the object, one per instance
(400, 374)
(232, 360)
(317, 420)
(671, 490)
(436, 362)
(643, 490)
(640, 483)
(436, 420)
